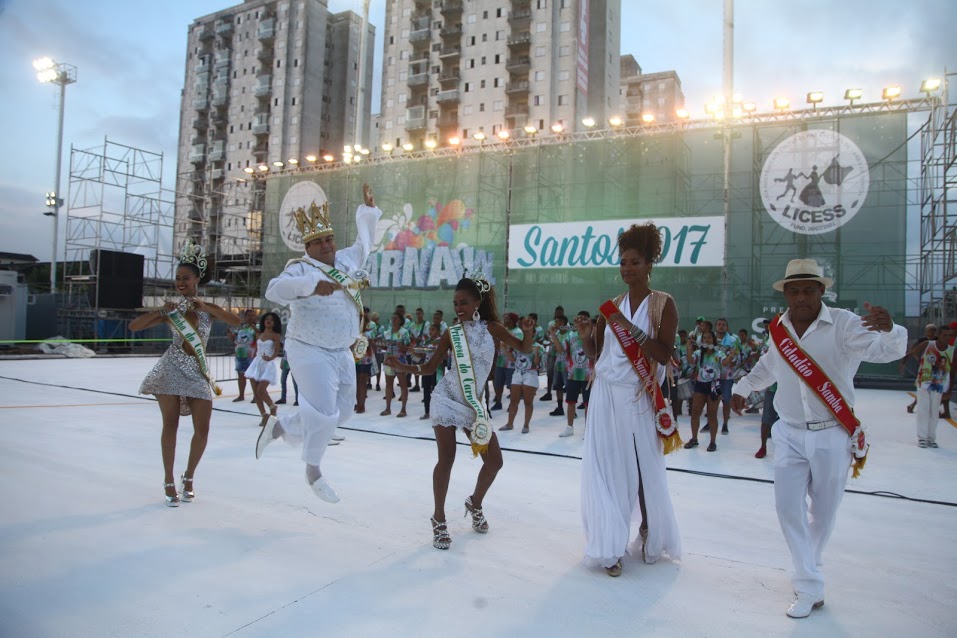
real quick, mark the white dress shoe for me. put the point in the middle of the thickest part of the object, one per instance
(332, 442)
(337, 437)
(266, 436)
(803, 604)
(568, 431)
(323, 490)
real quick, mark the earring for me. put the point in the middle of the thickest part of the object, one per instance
(476, 316)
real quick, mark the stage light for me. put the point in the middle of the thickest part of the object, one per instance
(249, 169)
(891, 93)
(749, 107)
(930, 85)
(347, 148)
(648, 118)
(531, 130)
(480, 136)
(263, 168)
(363, 151)
(782, 103)
(292, 160)
(814, 98)
(408, 146)
(328, 158)
(387, 147)
(682, 114)
(588, 122)
(503, 134)
(557, 128)
(310, 158)
(430, 144)
(615, 121)
(454, 141)
(278, 164)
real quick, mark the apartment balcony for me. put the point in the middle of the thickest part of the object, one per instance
(447, 53)
(197, 154)
(515, 110)
(260, 151)
(420, 35)
(419, 79)
(454, 31)
(448, 120)
(519, 17)
(201, 102)
(224, 27)
(261, 124)
(420, 62)
(267, 29)
(451, 95)
(199, 123)
(206, 33)
(197, 139)
(263, 85)
(451, 7)
(202, 81)
(220, 98)
(217, 152)
(217, 173)
(518, 64)
(451, 75)
(415, 124)
(202, 66)
(518, 40)
(522, 86)
(264, 54)
(221, 62)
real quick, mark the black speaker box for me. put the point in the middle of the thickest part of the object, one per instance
(120, 278)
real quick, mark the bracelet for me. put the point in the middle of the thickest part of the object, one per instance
(640, 336)
(418, 368)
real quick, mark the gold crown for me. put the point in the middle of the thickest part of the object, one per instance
(314, 223)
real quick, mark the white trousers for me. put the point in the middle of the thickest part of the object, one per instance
(928, 413)
(811, 465)
(327, 396)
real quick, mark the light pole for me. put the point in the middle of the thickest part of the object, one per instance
(56, 73)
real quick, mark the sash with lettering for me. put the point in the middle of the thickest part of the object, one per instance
(823, 388)
(481, 430)
(666, 427)
(353, 288)
(178, 320)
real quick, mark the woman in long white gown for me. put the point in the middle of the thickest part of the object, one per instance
(623, 464)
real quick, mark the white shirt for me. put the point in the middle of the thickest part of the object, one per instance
(838, 342)
(330, 322)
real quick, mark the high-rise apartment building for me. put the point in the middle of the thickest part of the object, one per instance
(452, 68)
(267, 82)
(658, 94)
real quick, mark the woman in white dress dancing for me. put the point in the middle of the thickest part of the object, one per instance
(262, 371)
(474, 305)
(623, 463)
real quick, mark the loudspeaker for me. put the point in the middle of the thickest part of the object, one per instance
(120, 278)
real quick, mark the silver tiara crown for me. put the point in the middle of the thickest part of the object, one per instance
(481, 283)
(194, 254)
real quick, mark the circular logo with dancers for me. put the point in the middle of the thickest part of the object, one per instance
(301, 195)
(814, 182)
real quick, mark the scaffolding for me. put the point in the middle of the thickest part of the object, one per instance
(938, 212)
(115, 202)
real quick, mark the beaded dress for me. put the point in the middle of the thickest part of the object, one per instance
(177, 372)
(449, 407)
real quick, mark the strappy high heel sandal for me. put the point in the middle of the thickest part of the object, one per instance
(479, 524)
(188, 495)
(440, 534)
(171, 501)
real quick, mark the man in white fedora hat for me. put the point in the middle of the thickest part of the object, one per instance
(814, 353)
(322, 290)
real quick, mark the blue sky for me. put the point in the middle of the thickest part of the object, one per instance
(131, 60)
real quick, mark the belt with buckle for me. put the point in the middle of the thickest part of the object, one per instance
(821, 425)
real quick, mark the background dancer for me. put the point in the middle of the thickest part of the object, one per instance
(178, 380)
(262, 371)
(324, 323)
(474, 304)
(623, 465)
(812, 450)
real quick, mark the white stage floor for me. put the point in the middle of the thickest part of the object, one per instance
(87, 547)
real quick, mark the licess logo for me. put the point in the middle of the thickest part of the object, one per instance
(301, 195)
(814, 182)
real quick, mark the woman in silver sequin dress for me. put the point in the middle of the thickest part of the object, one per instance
(474, 304)
(176, 380)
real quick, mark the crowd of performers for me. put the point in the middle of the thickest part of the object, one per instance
(622, 364)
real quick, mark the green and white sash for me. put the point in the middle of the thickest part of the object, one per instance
(186, 330)
(481, 430)
(352, 288)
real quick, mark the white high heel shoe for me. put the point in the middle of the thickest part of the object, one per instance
(187, 495)
(171, 501)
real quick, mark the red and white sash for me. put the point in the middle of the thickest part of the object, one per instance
(665, 426)
(808, 371)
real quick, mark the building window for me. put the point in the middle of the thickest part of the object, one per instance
(562, 100)
(483, 60)
(497, 105)
(482, 84)
(294, 101)
(484, 37)
(539, 27)
(537, 100)
(539, 52)
(563, 75)
(565, 26)
(564, 51)
(498, 58)
(471, 41)
(470, 19)
(498, 12)
(468, 87)
(482, 107)
(539, 76)
(467, 109)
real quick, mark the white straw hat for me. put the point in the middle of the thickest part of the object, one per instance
(803, 270)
